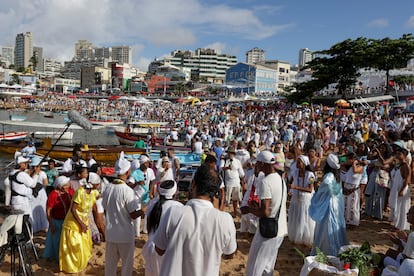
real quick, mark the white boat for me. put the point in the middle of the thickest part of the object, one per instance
(17, 118)
(13, 135)
(68, 135)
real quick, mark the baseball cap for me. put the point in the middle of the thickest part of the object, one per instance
(266, 157)
(22, 159)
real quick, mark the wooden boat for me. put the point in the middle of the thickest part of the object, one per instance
(13, 135)
(103, 154)
(106, 122)
(135, 131)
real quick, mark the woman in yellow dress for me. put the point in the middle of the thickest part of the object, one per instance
(75, 247)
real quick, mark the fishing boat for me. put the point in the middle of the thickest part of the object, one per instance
(106, 122)
(135, 131)
(13, 135)
(103, 154)
(68, 135)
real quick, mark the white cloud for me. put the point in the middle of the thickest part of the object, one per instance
(58, 25)
(378, 23)
(220, 47)
(410, 22)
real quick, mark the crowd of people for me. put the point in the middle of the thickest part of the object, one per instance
(292, 172)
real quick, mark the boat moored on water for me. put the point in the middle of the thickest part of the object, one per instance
(103, 154)
(13, 135)
(68, 135)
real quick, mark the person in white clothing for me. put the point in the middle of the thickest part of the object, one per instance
(21, 186)
(69, 167)
(121, 208)
(194, 237)
(233, 179)
(165, 171)
(38, 204)
(272, 193)
(154, 213)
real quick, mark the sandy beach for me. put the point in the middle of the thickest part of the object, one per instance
(288, 261)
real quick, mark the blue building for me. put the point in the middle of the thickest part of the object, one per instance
(251, 78)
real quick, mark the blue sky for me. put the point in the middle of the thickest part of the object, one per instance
(154, 28)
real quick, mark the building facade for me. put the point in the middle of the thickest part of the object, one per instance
(206, 65)
(51, 68)
(7, 53)
(251, 79)
(305, 56)
(23, 50)
(255, 55)
(38, 56)
(283, 73)
(72, 69)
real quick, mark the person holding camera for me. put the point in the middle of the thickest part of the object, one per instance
(233, 179)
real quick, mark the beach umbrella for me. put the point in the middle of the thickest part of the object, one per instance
(305, 103)
(180, 100)
(340, 101)
(113, 98)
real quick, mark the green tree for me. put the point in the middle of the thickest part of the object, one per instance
(34, 62)
(15, 79)
(388, 54)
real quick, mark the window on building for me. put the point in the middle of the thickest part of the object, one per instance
(281, 78)
(282, 70)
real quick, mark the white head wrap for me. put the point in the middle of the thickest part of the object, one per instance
(304, 159)
(61, 180)
(168, 193)
(122, 165)
(333, 161)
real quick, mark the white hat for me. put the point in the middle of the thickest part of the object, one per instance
(304, 159)
(61, 180)
(333, 161)
(143, 159)
(266, 157)
(122, 166)
(94, 178)
(21, 159)
(168, 193)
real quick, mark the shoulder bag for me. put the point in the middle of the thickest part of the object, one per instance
(269, 226)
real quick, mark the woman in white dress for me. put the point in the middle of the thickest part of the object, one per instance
(300, 225)
(400, 199)
(351, 181)
(38, 204)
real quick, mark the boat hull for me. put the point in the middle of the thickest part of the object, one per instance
(13, 136)
(54, 135)
(104, 154)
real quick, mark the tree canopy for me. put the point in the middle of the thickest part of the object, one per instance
(341, 63)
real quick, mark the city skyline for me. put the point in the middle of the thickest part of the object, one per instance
(154, 28)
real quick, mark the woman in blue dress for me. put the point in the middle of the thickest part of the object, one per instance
(327, 210)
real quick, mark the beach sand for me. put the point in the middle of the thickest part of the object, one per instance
(288, 261)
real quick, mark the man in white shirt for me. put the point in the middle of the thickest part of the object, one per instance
(121, 208)
(21, 186)
(193, 238)
(272, 194)
(68, 168)
(233, 178)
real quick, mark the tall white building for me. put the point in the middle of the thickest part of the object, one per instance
(51, 67)
(255, 55)
(23, 50)
(305, 56)
(7, 53)
(205, 64)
